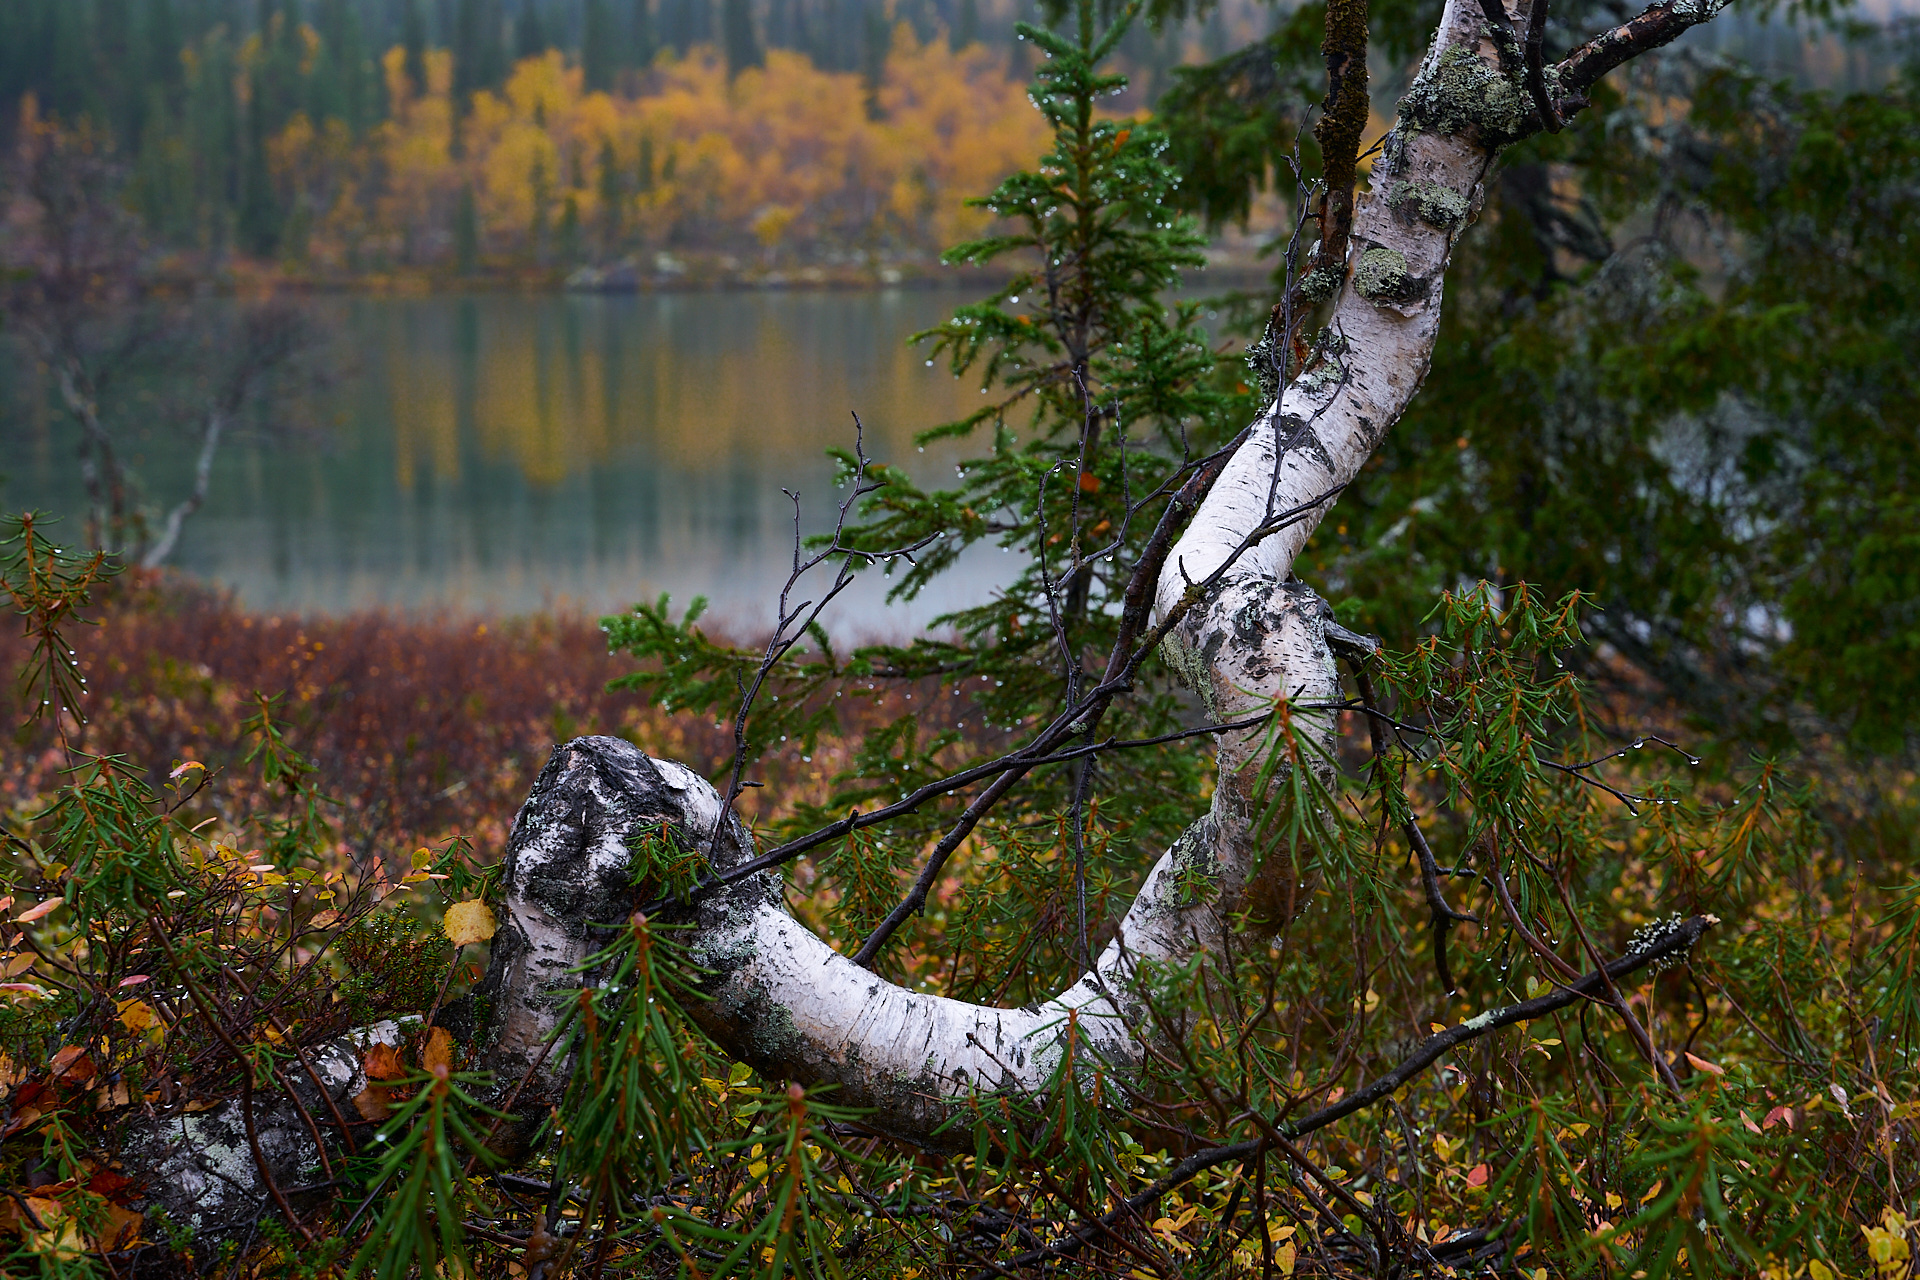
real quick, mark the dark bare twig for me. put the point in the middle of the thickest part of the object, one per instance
(1506, 44)
(1077, 719)
(794, 622)
(1677, 940)
(1536, 68)
(214, 1024)
(1444, 916)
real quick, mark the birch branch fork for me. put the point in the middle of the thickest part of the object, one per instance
(1252, 641)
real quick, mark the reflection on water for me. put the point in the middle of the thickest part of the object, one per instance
(507, 454)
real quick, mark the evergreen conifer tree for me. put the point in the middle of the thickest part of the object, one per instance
(259, 216)
(413, 40)
(119, 103)
(598, 54)
(741, 40)
(529, 32)
(686, 23)
(966, 25)
(162, 43)
(466, 233)
(468, 35)
(569, 230)
(644, 40)
(613, 197)
(876, 41)
(1099, 393)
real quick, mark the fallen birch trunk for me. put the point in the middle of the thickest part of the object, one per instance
(1250, 640)
(1245, 636)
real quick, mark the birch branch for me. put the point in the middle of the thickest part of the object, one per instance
(1219, 603)
(202, 477)
(1225, 613)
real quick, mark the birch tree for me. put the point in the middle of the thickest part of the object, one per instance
(1212, 595)
(120, 355)
(596, 1093)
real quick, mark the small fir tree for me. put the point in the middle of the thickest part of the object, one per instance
(1099, 393)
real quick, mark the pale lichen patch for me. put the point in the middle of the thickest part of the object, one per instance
(1433, 204)
(1320, 283)
(1461, 93)
(1383, 276)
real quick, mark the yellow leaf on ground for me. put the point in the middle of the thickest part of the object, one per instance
(122, 1230)
(61, 1241)
(468, 922)
(1283, 1258)
(437, 1056)
(137, 1016)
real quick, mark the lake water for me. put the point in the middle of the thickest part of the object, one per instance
(501, 454)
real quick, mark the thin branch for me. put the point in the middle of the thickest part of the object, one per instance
(1444, 916)
(1536, 68)
(1654, 26)
(1677, 940)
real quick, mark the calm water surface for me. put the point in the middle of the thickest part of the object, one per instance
(504, 454)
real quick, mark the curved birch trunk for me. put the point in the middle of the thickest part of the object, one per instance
(778, 996)
(1253, 640)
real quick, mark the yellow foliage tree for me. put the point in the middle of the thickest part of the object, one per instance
(786, 159)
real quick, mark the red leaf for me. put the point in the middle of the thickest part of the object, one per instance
(112, 1185)
(1701, 1064)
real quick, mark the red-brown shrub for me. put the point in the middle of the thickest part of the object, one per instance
(420, 728)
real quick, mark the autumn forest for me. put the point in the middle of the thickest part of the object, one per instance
(338, 143)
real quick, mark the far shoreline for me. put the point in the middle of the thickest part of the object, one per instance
(691, 274)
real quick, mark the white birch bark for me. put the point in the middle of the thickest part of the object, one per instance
(199, 1168)
(778, 996)
(202, 478)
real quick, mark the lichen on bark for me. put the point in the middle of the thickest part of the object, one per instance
(1382, 276)
(1461, 94)
(1434, 204)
